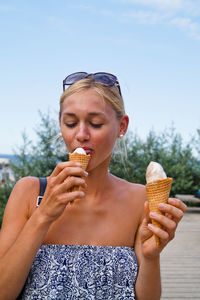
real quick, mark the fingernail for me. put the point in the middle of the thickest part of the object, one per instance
(161, 205)
(172, 201)
(150, 226)
(153, 214)
(81, 194)
(85, 173)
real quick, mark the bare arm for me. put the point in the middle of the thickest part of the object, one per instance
(20, 236)
(16, 262)
(148, 285)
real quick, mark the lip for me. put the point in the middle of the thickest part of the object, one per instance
(88, 150)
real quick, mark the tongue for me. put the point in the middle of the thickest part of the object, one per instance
(88, 151)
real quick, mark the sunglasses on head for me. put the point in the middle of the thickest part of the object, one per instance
(106, 79)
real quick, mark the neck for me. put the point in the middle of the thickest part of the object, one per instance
(98, 180)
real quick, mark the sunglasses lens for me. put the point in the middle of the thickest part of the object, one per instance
(75, 77)
(106, 79)
(103, 78)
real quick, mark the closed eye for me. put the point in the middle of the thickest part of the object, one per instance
(70, 125)
(96, 125)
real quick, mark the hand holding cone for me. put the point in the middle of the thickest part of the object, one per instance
(157, 190)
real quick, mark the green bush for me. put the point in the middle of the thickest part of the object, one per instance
(167, 149)
(4, 195)
(129, 162)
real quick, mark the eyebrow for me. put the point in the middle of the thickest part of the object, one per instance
(96, 114)
(90, 114)
(70, 114)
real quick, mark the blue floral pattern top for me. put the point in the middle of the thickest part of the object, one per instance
(82, 272)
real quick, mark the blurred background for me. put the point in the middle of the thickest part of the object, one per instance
(152, 46)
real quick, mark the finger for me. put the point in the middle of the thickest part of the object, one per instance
(177, 203)
(69, 171)
(71, 182)
(71, 196)
(167, 223)
(146, 210)
(63, 165)
(162, 234)
(168, 216)
(58, 192)
(175, 212)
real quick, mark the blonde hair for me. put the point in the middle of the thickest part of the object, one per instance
(110, 94)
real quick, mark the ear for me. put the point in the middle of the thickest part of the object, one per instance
(123, 125)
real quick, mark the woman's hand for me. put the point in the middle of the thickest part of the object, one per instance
(58, 192)
(172, 214)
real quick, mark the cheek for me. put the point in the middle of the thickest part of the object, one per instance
(67, 137)
(105, 141)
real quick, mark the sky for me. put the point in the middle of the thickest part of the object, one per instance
(152, 46)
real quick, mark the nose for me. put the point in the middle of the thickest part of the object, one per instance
(82, 133)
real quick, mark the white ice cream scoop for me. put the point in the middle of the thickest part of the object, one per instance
(155, 172)
(80, 151)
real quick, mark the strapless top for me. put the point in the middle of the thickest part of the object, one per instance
(82, 272)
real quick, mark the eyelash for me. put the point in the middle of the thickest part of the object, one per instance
(71, 125)
(96, 125)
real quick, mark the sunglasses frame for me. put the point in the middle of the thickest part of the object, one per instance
(115, 80)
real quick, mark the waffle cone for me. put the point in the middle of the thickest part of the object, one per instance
(81, 159)
(158, 192)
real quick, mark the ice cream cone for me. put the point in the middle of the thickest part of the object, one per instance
(80, 158)
(158, 192)
(83, 160)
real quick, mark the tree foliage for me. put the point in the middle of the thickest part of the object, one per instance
(4, 195)
(166, 148)
(129, 161)
(41, 158)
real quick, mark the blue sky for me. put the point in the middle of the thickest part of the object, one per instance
(153, 46)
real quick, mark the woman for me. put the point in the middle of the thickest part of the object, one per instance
(102, 245)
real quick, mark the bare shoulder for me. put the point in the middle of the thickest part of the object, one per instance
(26, 183)
(130, 189)
(24, 189)
(134, 194)
(21, 197)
